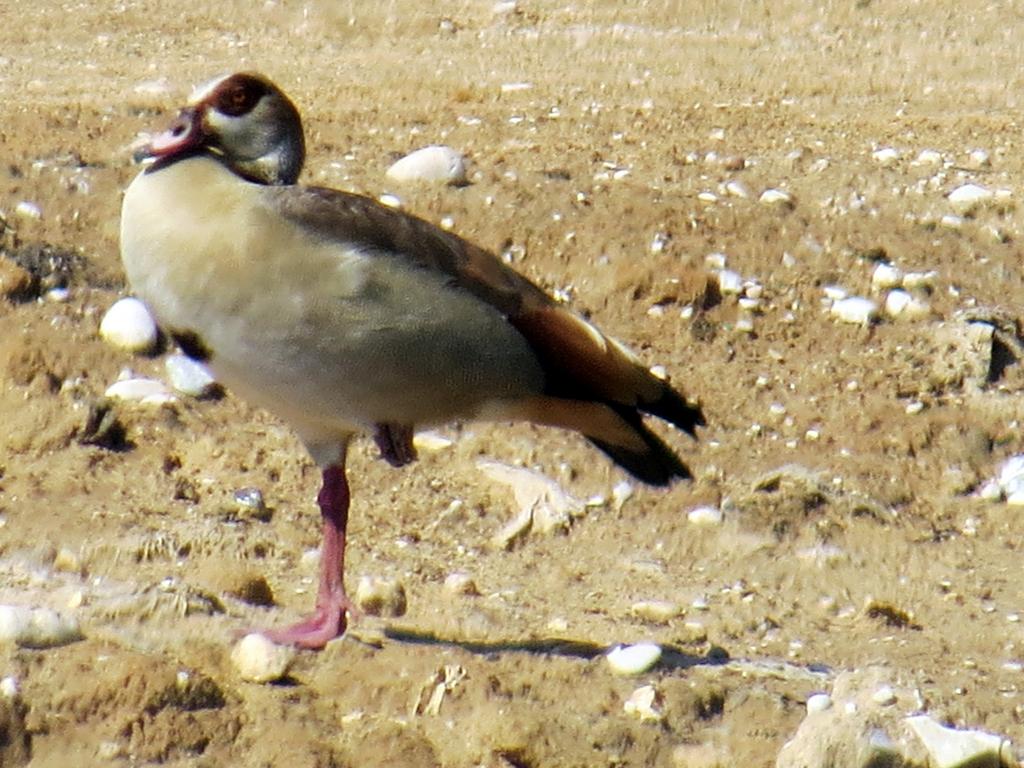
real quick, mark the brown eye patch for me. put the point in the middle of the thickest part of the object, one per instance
(239, 94)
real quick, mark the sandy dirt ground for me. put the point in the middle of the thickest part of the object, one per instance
(614, 147)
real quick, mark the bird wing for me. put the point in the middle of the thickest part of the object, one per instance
(579, 362)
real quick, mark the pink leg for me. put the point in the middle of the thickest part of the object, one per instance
(328, 621)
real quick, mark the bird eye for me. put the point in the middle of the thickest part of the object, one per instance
(238, 99)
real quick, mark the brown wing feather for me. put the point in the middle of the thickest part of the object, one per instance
(580, 363)
(347, 217)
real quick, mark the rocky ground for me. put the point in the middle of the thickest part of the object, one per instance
(618, 154)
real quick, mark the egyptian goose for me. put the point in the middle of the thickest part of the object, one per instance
(341, 315)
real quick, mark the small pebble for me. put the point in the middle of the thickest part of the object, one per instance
(886, 276)
(980, 158)
(189, 377)
(737, 189)
(928, 157)
(381, 596)
(835, 292)
(430, 441)
(884, 696)
(705, 515)
(776, 197)
(953, 748)
(901, 304)
(818, 702)
(67, 561)
(1011, 479)
(855, 309)
(920, 280)
(57, 295)
(9, 687)
(656, 611)
(715, 260)
(967, 198)
(310, 560)
(633, 659)
(621, 493)
(129, 326)
(730, 283)
(645, 703)
(886, 156)
(896, 303)
(260, 660)
(16, 282)
(144, 391)
(250, 504)
(990, 491)
(438, 164)
(390, 200)
(460, 584)
(29, 627)
(28, 210)
(707, 197)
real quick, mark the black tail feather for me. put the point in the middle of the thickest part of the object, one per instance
(654, 464)
(673, 408)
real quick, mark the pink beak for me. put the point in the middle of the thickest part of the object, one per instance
(185, 133)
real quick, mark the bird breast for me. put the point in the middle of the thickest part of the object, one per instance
(352, 336)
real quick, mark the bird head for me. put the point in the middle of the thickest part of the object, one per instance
(245, 121)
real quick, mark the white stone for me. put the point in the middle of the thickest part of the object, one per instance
(260, 660)
(10, 687)
(645, 703)
(884, 696)
(737, 189)
(188, 376)
(390, 200)
(928, 157)
(886, 276)
(29, 627)
(886, 156)
(855, 309)
(896, 303)
(707, 197)
(621, 493)
(141, 390)
(633, 659)
(460, 584)
(980, 158)
(951, 748)
(835, 292)
(656, 611)
(430, 441)
(990, 491)
(1011, 476)
(716, 260)
(28, 210)
(437, 164)
(729, 283)
(949, 221)
(920, 280)
(381, 596)
(705, 515)
(818, 702)
(776, 197)
(1015, 498)
(917, 309)
(128, 325)
(967, 198)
